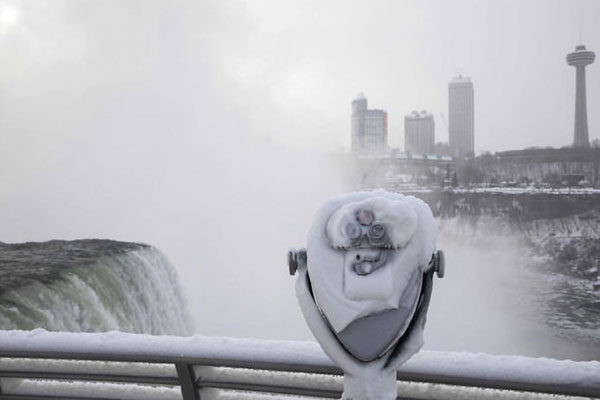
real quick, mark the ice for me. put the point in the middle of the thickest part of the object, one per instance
(156, 348)
(83, 366)
(31, 387)
(529, 190)
(367, 254)
(414, 232)
(135, 291)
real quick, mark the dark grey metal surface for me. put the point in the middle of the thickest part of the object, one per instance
(369, 337)
(187, 379)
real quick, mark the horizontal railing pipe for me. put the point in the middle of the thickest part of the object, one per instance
(512, 373)
(72, 376)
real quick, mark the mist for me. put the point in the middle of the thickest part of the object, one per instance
(212, 130)
(123, 135)
(492, 298)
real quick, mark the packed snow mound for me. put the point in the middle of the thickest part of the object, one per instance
(364, 250)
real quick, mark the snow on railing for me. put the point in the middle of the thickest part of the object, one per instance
(46, 365)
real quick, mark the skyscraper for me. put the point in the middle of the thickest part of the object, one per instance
(461, 124)
(368, 128)
(579, 59)
(419, 132)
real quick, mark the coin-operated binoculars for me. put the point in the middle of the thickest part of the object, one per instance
(364, 283)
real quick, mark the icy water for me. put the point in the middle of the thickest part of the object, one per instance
(500, 297)
(90, 286)
(570, 307)
(24, 263)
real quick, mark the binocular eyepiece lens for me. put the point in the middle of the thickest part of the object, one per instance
(353, 230)
(365, 217)
(377, 231)
(376, 234)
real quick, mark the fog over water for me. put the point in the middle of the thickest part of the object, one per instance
(206, 129)
(495, 297)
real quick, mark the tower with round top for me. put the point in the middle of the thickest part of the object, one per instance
(579, 59)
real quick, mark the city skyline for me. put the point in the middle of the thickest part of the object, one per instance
(506, 84)
(461, 132)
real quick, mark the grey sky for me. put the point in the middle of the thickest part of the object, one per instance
(197, 126)
(290, 69)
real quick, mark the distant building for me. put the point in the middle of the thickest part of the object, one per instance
(539, 165)
(368, 128)
(461, 124)
(441, 148)
(579, 59)
(419, 132)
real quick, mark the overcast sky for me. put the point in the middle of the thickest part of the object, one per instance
(198, 126)
(289, 70)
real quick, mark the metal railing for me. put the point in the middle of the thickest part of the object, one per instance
(45, 365)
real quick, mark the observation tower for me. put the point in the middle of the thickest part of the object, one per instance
(579, 59)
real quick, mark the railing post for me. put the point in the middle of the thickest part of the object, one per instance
(187, 380)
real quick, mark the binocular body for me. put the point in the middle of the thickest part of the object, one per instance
(364, 282)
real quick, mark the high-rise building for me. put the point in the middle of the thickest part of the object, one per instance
(368, 128)
(441, 148)
(419, 132)
(461, 115)
(579, 59)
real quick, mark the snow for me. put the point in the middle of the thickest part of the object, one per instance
(578, 191)
(89, 389)
(160, 348)
(137, 392)
(84, 366)
(528, 190)
(288, 379)
(413, 390)
(508, 368)
(367, 253)
(413, 235)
